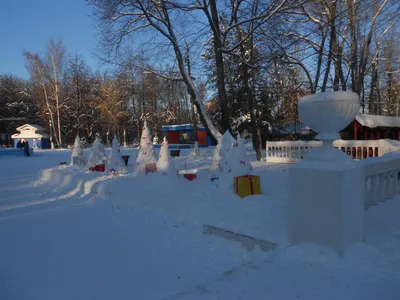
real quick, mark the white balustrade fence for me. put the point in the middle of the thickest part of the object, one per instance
(294, 151)
(289, 151)
(382, 178)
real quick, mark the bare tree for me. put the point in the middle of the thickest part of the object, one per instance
(120, 19)
(56, 52)
(46, 72)
(38, 70)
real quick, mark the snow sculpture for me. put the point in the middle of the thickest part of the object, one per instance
(225, 144)
(236, 164)
(146, 155)
(97, 153)
(77, 157)
(115, 161)
(165, 164)
(84, 143)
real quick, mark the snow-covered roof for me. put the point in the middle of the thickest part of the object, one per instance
(373, 121)
(181, 127)
(291, 129)
(32, 127)
(29, 131)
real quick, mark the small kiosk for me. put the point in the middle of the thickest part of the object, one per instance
(34, 134)
(182, 136)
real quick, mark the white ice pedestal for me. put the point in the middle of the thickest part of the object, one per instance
(326, 202)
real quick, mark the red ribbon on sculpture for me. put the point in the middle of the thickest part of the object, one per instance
(251, 185)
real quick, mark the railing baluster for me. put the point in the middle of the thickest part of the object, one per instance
(397, 180)
(368, 190)
(382, 191)
(392, 185)
(374, 199)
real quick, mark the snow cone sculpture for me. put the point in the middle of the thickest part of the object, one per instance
(146, 158)
(236, 164)
(222, 150)
(237, 172)
(165, 164)
(115, 162)
(77, 157)
(97, 158)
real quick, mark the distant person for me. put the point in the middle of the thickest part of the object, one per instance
(26, 148)
(19, 144)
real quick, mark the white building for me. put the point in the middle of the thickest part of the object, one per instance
(34, 134)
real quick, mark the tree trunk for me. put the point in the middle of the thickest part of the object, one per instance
(125, 137)
(226, 124)
(372, 105)
(194, 122)
(194, 119)
(51, 135)
(353, 46)
(314, 87)
(59, 140)
(331, 42)
(259, 137)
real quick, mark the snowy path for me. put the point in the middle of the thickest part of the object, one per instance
(141, 238)
(20, 196)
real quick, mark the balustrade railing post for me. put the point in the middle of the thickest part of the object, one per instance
(374, 199)
(382, 184)
(397, 180)
(368, 195)
(392, 184)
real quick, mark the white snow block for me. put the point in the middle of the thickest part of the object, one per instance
(326, 204)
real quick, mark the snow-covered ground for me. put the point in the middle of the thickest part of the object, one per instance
(66, 234)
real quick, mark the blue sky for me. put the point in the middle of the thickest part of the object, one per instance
(29, 24)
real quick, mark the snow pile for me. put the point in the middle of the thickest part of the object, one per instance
(146, 153)
(115, 161)
(225, 144)
(237, 164)
(165, 164)
(97, 153)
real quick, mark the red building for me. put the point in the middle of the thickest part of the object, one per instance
(182, 136)
(371, 127)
